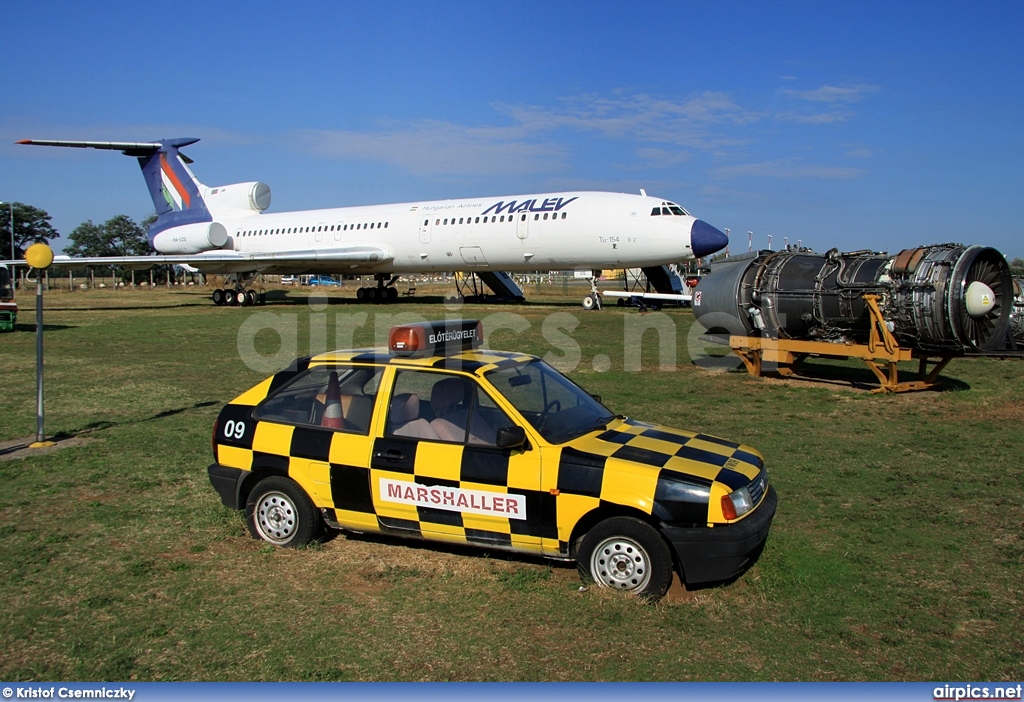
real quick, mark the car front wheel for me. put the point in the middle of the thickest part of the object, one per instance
(627, 554)
(280, 512)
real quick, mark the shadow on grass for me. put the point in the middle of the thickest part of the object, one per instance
(103, 425)
(20, 327)
(498, 554)
(858, 377)
(861, 378)
(128, 308)
(481, 551)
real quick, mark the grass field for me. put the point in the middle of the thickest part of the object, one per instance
(896, 554)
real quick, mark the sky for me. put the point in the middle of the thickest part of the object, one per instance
(855, 125)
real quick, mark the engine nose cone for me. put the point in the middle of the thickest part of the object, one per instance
(980, 299)
(705, 239)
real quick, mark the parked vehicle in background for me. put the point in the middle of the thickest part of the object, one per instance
(322, 280)
(8, 307)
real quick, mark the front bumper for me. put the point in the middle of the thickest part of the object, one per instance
(722, 552)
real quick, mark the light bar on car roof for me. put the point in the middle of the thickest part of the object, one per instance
(439, 338)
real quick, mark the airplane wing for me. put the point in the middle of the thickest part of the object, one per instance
(225, 261)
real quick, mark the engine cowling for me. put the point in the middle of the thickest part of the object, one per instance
(943, 298)
(247, 197)
(191, 238)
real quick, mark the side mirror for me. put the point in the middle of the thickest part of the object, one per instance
(510, 437)
(596, 397)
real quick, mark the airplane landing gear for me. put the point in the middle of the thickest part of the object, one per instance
(241, 295)
(382, 292)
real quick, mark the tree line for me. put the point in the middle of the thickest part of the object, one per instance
(118, 236)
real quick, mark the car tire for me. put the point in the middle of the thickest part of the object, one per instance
(280, 512)
(626, 554)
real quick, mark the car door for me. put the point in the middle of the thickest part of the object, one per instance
(437, 473)
(321, 422)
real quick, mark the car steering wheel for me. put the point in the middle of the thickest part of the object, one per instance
(547, 409)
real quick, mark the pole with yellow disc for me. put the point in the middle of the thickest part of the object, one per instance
(39, 256)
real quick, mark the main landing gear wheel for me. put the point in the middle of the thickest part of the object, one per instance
(280, 512)
(218, 297)
(589, 302)
(627, 554)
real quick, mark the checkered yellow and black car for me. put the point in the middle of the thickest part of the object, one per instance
(437, 439)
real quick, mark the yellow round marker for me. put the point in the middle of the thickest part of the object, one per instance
(39, 255)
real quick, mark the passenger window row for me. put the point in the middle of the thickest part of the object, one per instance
(493, 218)
(307, 230)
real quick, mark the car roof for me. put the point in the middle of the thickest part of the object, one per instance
(475, 361)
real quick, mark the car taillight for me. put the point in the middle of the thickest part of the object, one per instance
(213, 439)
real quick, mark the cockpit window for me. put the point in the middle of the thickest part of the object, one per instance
(668, 209)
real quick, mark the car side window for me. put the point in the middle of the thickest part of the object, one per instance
(332, 397)
(443, 407)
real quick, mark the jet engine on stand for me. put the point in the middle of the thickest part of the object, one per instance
(942, 300)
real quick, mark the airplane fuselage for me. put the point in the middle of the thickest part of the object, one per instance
(517, 233)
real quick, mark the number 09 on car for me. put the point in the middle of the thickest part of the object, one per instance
(435, 438)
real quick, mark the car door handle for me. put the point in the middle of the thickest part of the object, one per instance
(391, 455)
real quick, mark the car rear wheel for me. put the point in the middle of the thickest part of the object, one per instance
(627, 554)
(280, 512)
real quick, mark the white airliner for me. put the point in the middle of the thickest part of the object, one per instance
(225, 230)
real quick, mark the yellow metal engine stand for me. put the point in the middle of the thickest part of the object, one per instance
(881, 354)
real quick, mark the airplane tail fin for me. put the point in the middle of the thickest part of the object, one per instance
(174, 189)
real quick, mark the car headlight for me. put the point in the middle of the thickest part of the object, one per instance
(737, 503)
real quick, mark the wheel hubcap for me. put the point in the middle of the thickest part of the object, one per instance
(275, 517)
(621, 563)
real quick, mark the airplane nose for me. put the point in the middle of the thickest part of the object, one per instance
(705, 239)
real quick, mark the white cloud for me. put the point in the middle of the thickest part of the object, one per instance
(833, 94)
(662, 158)
(786, 169)
(662, 132)
(431, 147)
(819, 118)
(695, 122)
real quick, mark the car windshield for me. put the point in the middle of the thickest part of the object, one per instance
(554, 405)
